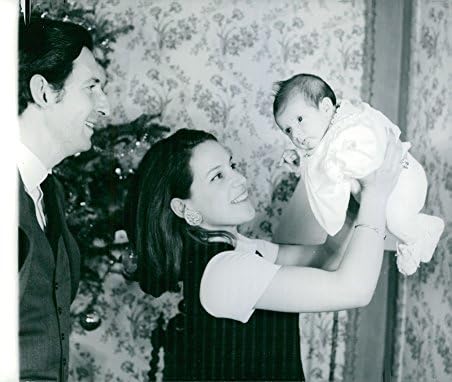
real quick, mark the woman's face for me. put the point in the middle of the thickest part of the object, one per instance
(218, 192)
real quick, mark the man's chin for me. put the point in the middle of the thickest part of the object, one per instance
(87, 145)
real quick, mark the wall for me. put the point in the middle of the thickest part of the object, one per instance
(211, 65)
(424, 326)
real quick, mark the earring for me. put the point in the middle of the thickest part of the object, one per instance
(192, 217)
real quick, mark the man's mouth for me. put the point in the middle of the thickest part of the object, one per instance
(243, 196)
(90, 125)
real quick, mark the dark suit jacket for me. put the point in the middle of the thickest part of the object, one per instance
(49, 272)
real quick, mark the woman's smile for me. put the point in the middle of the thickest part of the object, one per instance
(241, 198)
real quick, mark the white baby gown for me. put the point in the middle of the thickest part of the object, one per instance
(353, 147)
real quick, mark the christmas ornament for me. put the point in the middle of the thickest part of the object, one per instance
(96, 181)
(90, 319)
(129, 265)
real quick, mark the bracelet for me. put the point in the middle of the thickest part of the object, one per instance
(372, 228)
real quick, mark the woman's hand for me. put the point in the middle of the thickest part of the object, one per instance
(383, 180)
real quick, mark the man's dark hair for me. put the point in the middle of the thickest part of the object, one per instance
(49, 48)
(310, 86)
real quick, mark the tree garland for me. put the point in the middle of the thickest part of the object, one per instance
(96, 181)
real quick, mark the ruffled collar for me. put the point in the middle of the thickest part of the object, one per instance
(344, 110)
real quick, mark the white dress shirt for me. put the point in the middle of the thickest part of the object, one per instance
(33, 173)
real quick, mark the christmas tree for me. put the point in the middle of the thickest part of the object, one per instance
(96, 181)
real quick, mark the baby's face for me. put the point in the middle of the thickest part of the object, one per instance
(304, 123)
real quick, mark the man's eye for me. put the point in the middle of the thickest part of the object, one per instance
(288, 130)
(300, 118)
(233, 165)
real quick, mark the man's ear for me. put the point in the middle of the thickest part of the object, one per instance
(326, 105)
(41, 91)
(177, 206)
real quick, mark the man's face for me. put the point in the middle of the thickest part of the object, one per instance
(83, 102)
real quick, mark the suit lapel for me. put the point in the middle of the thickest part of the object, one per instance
(31, 237)
(57, 231)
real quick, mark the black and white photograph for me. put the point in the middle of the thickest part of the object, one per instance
(227, 190)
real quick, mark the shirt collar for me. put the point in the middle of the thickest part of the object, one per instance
(31, 169)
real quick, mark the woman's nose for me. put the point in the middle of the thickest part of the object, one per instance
(239, 179)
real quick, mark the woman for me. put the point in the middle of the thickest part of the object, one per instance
(239, 319)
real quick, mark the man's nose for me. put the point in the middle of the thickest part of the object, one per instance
(103, 106)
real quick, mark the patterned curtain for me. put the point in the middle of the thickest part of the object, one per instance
(424, 322)
(211, 64)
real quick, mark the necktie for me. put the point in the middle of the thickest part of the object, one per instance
(50, 207)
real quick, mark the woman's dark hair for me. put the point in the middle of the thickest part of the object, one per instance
(310, 86)
(48, 47)
(155, 232)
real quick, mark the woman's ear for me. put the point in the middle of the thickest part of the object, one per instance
(177, 206)
(41, 91)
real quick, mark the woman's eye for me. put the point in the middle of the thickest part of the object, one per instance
(300, 118)
(233, 165)
(218, 176)
(288, 130)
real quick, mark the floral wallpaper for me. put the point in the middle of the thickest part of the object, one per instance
(424, 327)
(211, 64)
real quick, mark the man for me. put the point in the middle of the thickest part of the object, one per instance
(60, 101)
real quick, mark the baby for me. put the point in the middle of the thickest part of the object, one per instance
(340, 143)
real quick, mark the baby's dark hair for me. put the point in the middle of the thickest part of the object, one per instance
(310, 86)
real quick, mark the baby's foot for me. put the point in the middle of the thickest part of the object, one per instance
(434, 227)
(407, 260)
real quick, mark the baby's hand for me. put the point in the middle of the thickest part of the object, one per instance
(291, 160)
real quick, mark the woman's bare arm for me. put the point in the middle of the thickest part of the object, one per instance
(306, 289)
(327, 256)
